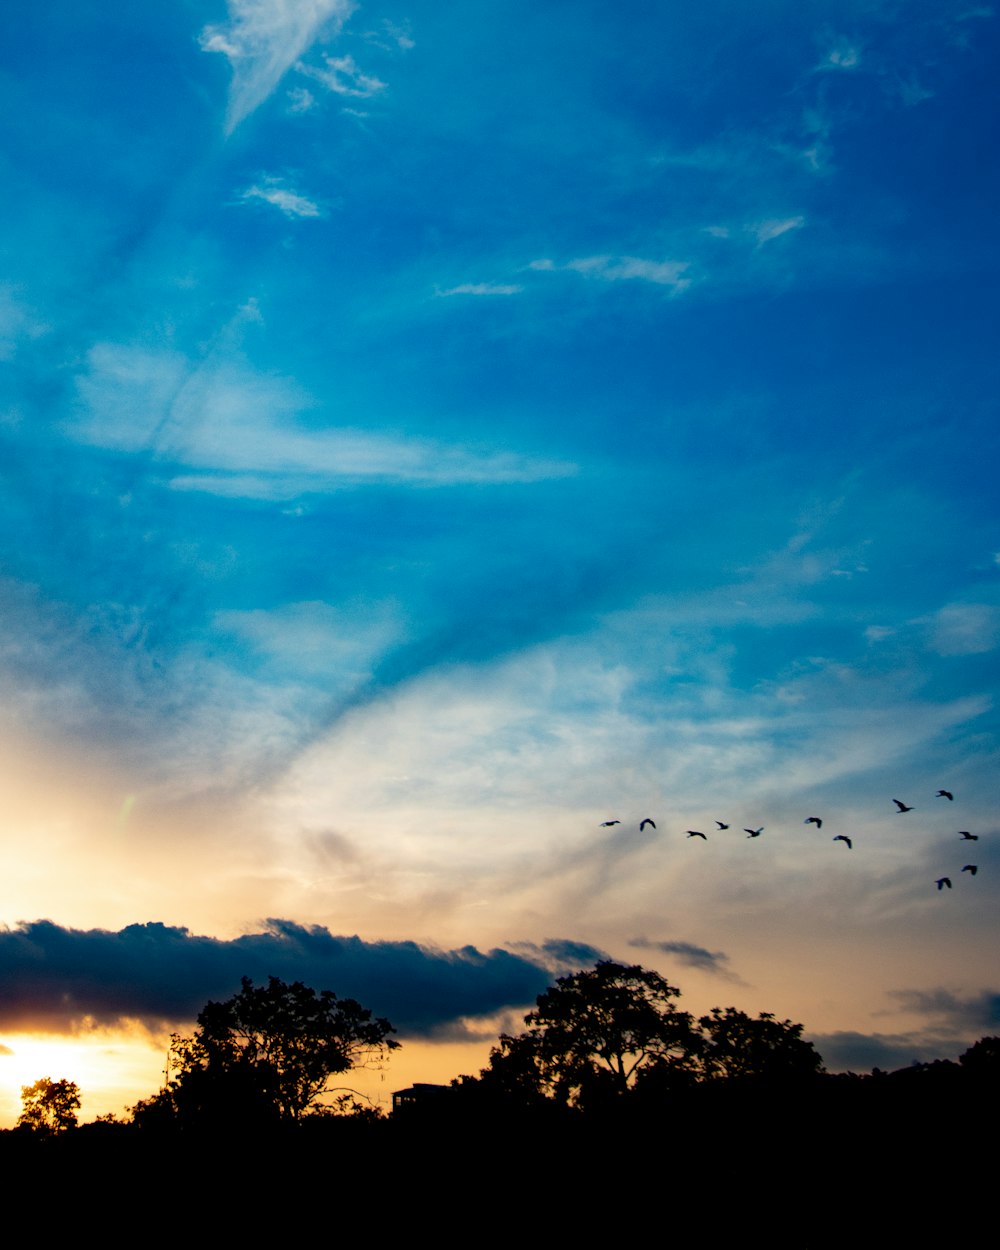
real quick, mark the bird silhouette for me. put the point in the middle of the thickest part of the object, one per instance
(945, 794)
(754, 833)
(973, 868)
(606, 824)
(693, 833)
(646, 822)
(840, 838)
(813, 820)
(966, 836)
(942, 882)
(902, 806)
(721, 825)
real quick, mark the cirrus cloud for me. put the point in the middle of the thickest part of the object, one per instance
(262, 39)
(291, 203)
(668, 273)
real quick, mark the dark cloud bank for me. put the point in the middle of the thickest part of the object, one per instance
(954, 1023)
(56, 979)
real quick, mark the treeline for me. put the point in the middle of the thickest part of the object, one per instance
(608, 1041)
(604, 1046)
(609, 1102)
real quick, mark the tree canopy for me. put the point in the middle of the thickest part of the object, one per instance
(268, 1053)
(599, 1034)
(983, 1058)
(593, 1033)
(49, 1106)
(739, 1045)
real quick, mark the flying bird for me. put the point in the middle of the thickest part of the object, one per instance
(973, 868)
(840, 838)
(902, 806)
(966, 836)
(606, 824)
(942, 882)
(646, 822)
(813, 820)
(693, 833)
(721, 825)
(945, 794)
(754, 833)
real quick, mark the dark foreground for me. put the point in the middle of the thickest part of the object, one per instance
(894, 1160)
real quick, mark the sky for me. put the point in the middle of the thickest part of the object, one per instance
(429, 432)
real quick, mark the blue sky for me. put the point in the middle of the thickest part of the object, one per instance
(427, 434)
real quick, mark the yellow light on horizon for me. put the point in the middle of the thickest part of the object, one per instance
(115, 1069)
(112, 1070)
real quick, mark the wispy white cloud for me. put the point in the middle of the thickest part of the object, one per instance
(339, 643)
(392, 36)
(17, 324)
(669, 273)
(760, 232)
(301, 100)
(262, 39)
(773, 228)
(343, 76)
(271, 191)
(482, 288)
(239, 433)
(912, 92)
(340, 459)
(842, 55)
(965, 629)
(477, 747)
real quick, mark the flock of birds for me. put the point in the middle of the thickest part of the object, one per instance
(901, 807)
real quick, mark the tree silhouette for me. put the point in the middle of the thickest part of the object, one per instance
(738, 1045)
(49, 1106)
(592, 1034)
(982, 1059)
(266, 1055)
